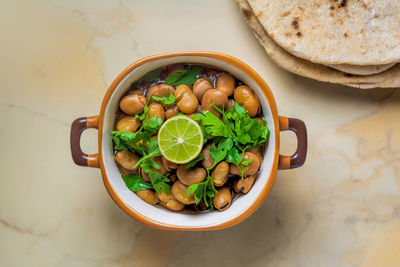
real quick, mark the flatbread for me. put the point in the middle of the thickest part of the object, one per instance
(363, 32)
(389, 78)
(362, 70)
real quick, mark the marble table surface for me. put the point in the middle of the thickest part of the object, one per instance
(57, 58)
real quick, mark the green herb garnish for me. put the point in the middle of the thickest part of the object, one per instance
(151, 76)
(126, 140)
(142, 143)
(204, 190)
(199, 157)
(237, 133)
(186, 76)
(170, 99)
(136, 183)
(159, 182)
(148, 164)
(219, 153)
(236, 158)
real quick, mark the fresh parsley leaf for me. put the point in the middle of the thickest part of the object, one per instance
(151, 76)
(119, 143)
(170, 99)
(152, 124)
(143, 115)
(247, 162)
(198, 191)
(159, 182)
(204, 190)
(246, 131)
(152, 145)
(149, 165)
(234, 156)
(186, 76)
(218, 153)
(126, 140)
(239, 109)
(136, 183)
(212, 125)
(146, 162)
(199, 157)
(175, 77)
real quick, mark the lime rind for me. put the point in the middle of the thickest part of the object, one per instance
(181, 141)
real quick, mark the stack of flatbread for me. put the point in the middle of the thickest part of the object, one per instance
(350, 42)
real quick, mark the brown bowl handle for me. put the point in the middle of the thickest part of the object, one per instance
(77, 128)
(298, 158)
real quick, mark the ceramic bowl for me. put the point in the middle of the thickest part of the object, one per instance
(155, 216)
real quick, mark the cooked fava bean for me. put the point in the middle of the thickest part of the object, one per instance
(148, 196)
(126, 159)
(244, 185)
(245, 97)
(132, 104)
(160, 90)
(256, 151)
(207, 162)
(220, 173)
(250, 169)
(164, 197)
(168, 165)
(210, 72)
(253, 167)
(201, 86)
(136, 92)
(192, 175)
(216, 97)
(175, 205)
(225, 83)
(169, 201)
(186, 101)
(179, 192)
(222, 200)
(157, 110)
(171, 111)
(128, 123)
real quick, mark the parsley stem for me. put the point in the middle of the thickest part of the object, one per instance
(145, 116)
(152, 154)
(242, 168)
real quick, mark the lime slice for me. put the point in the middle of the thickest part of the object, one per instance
(180, 139)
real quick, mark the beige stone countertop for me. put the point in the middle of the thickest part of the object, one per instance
(57, 58)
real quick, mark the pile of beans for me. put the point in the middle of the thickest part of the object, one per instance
(213, 87)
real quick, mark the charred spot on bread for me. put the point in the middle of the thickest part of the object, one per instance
(295, 23)
(247, 13)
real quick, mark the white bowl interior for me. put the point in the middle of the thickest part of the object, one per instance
(164, 216)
